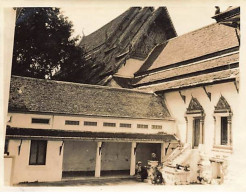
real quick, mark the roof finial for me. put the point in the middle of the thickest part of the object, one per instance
(217, 11)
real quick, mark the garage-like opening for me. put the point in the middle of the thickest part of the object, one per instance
(144, 151)
(79, 158)
(116, 159)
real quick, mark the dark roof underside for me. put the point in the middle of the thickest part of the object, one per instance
(48, 96)
(61, 134)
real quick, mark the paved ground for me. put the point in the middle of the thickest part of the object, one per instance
(86, 182)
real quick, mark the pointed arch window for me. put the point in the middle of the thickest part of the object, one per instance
(222, 121)
(194, 123)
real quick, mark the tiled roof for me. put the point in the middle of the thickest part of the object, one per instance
(182, 71)
(194, 81)
(133, 34)
(48, 96)
(100, 36)
(207, 40)
(206, 55)
(56, 134)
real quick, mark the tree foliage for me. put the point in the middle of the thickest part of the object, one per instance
(43, 44)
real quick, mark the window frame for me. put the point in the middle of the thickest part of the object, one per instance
(72, 122)
(90, 123)
(40, 123)
(156, 127)
(125, 125)
(142, 126)
(108, 124)
(37, 163)
(217, 130)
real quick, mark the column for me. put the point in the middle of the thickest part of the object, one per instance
(186, 121)
(163, 151)
(98, 159)
(201, 131)
(133, 158)
(214, 143)
(229, 135)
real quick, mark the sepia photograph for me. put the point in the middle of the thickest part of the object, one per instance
(122, 95)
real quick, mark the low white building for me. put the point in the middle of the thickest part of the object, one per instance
(59, 129)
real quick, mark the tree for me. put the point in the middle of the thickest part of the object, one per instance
(43, 44)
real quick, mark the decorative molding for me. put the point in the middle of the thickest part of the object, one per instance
(182, 96)
(60, 149)
(222, 105)
(236, 84)
(19, 147)
(194, 107)
(207, 93)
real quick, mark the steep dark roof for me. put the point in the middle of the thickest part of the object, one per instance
(23, 133)
(100, 36)
(133, 34)
(48, 96)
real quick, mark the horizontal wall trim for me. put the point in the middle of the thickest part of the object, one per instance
(87, 116)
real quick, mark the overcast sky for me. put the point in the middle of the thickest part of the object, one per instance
(185, 19)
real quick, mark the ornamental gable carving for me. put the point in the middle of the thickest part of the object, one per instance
(194, 106)
(222, 105)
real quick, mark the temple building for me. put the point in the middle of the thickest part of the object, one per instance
(175, 96)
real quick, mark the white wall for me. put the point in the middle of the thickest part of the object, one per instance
(178, 108)
(116, 156)
(79, 156)
(23, 120)
(23, 172)
(131, 66)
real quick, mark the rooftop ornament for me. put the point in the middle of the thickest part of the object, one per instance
(217, 11)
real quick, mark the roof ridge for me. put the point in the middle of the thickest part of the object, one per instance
(207, 26)
(128, 10)
(86, 85)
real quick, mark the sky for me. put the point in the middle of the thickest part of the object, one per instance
(88, 19)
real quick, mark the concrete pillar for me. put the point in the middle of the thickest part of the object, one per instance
(214, 140)
(201, 131)
(98, 159)
(229, 137)
(163, 151)
(133, 158)
(186, 122)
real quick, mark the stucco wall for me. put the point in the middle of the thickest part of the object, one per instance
(23, 120)
(131, 66)
(178, 108)
(116, 156)
(23, 172)
(79, 156)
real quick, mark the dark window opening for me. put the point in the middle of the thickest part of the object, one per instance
(156, 126)
(6, 147)
(40, 120)
(109, 124)
(141, 126)
(125, 125)
(224, 131)
(38, 152)
(89, 123)
(196, 137)
(68, 122)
